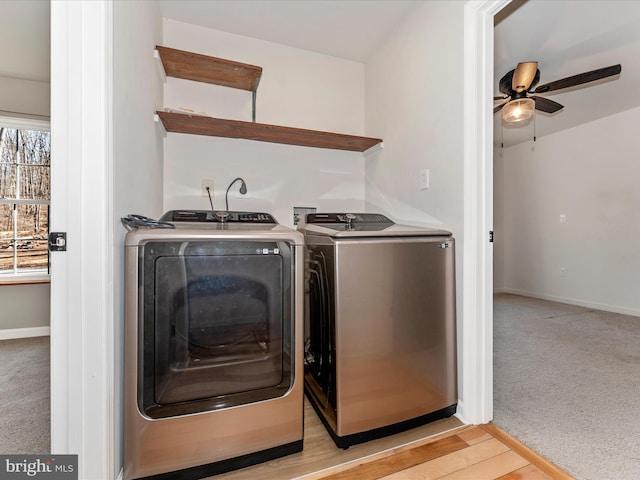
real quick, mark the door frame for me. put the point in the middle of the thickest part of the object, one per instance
(82, 314)
(476, 404)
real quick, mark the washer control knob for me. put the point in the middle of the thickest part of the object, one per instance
(350, 218)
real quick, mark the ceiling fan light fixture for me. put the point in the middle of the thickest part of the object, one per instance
(518, 110)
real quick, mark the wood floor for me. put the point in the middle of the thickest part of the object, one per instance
(445, 449)
(470, 453)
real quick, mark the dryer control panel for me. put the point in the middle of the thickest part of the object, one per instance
(217, 216)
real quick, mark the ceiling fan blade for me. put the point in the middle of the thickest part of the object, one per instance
(546, 105)
(501, 97)
(523, 76)
(504, 85)
(580, 79)
(499, 107)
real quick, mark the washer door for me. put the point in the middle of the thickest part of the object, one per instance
(217, 326)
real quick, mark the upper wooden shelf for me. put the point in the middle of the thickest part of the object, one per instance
(216, 127)
(202, 68)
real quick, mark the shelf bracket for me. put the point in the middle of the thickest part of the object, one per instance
(160, 125)
(376, 148)
(254, 96)
(163, 74)
(253, 105)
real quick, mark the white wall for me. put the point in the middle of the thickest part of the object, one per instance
(414, 86)
(499, 202)
(25, 97)
(137, 176)
(24, 306)
(590, 174)
(414, 102)
(298, 89)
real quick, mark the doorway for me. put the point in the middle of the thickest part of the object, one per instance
(24, 213)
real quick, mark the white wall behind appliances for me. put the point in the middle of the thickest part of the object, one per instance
(589, 174)
(414, 102)
(298, 89)
(137, 176)
(278, 177)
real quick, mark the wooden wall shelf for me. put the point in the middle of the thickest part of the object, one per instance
(218, 71)
(202, 68)
(216, 127)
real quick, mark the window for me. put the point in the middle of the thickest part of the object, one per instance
(25, 159)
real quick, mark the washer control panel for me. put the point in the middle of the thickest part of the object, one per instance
(348, 218)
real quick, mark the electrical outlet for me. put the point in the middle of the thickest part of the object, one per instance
(300, 212)
(205, 184)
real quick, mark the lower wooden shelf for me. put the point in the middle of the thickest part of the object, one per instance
(216, 127)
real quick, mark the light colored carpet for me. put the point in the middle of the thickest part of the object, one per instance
(567, 384)
(24, 396)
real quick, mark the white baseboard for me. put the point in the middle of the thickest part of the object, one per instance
(571, 301)
(13, 333)
(460, 412)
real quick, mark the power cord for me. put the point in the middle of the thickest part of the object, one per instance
(210, 201)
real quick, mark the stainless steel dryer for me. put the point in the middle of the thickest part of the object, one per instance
(380, 325)
(213, 344)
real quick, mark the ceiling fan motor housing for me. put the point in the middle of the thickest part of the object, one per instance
(505, 86)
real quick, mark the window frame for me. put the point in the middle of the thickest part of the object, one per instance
(33, 276)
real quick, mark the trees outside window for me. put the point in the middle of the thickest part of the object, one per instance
(25, 161)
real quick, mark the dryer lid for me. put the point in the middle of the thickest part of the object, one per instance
(340, 225)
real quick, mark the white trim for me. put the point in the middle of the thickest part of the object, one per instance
(13, 333)
(60, 360)
(24, 278)
(24, 201)
(82, 323)
(571, 301)
(476, 405)
(22, 123)
(113, 441)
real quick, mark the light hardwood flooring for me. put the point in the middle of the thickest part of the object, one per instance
(445, 449)
(469, 453)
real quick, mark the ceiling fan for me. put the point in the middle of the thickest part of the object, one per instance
(518, 87)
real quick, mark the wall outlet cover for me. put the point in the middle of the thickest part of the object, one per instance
(204, 184)
(299, 212)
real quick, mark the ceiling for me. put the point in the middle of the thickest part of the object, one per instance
(565, 37)
(24, 36)
(350, 29)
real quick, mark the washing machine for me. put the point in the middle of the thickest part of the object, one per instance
(380, 324)
(213, 344)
